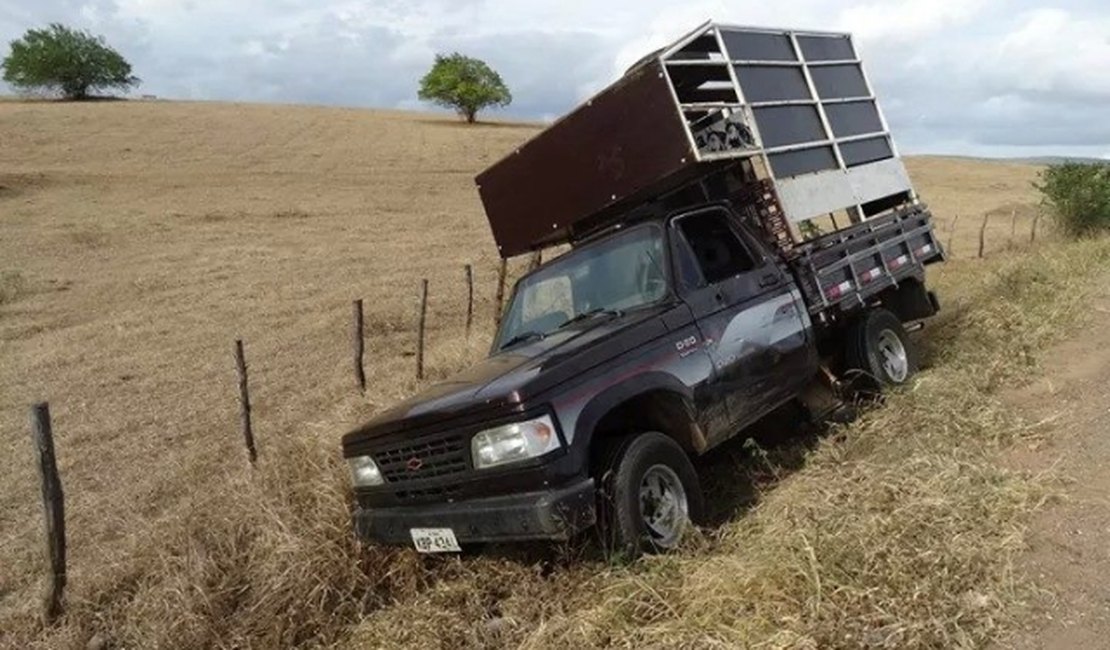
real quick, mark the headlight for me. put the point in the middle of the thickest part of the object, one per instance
(513, 442)
(364, 471)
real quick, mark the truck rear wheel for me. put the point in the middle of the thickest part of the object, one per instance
(649, 495)
(879, 354)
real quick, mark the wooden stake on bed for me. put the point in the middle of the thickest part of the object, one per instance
(53, 506)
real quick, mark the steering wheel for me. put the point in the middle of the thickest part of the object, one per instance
(654, 286)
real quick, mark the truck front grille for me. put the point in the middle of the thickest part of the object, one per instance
(425, 459)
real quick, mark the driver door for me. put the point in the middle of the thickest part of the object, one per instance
(750, 323)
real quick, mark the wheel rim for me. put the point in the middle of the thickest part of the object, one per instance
(892, 356)
(663, 506)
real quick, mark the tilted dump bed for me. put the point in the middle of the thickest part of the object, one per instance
(793, 108)
(783, 124)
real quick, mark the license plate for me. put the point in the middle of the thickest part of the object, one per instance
(434, 540)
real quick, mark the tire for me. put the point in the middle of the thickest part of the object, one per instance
(878, 353)
(649, 495)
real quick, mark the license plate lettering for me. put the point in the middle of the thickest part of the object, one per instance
(434, 540)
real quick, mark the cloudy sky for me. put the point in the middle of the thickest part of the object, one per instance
(981, 77)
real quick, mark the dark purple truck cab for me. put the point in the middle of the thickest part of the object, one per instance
(699, 294)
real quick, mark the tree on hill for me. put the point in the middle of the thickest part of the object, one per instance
(465, 84)
(71, 61)
(1078, 195)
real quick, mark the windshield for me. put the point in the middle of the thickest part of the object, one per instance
(622, 272)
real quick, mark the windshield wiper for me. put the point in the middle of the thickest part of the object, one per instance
(600, 311)
(530, 335)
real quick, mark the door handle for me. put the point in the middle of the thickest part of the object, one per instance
(769, 279)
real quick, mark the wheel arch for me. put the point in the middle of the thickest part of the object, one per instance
(649, 402)
(909, 301)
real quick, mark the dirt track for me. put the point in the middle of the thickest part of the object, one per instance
(1069, 544)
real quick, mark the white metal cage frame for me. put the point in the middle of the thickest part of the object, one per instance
(798, 99)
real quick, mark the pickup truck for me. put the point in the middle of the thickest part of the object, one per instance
(688, 306)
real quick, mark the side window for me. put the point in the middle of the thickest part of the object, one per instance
(686, 265)
(716, 247)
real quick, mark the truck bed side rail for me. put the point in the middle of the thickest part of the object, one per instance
(844, 269)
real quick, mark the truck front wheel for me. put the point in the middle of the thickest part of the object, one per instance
(649, 494)
(878, 351)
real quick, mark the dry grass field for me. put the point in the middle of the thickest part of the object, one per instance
(139, 240)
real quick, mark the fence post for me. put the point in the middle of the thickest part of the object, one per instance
(358, 344)
(53, 505)
(500, 298)
(1013, 224)
(983, 236)
(952, 234)
(1033, 229)
(420, 329)
(469, 299)
(244, 402)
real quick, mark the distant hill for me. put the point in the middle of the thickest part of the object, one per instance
(1027, 160)
(1057, 160)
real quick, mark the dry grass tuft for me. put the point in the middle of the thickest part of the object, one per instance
(292, 213)
(264, 559)
(12, 286)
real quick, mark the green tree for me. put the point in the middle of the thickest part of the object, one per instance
(465, 84)
(1078, 194)
(71, 61)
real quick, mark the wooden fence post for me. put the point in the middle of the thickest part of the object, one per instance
(500, 298)
(245, 402)
(420, 329)
(358, 344)
(1013, 224)
(469, 299)
(1033, 229)
(952, 234)
(53, 505)
(983, 236)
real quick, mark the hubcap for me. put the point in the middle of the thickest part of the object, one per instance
(892, 355)
(663, 506)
